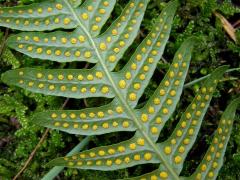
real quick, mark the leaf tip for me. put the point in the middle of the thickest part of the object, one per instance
(222, 69)
(5, 77)
(233, 106)
(38, 119)
(230, 30)
(55, 162)
(174, 4)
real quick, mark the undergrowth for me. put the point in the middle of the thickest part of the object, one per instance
(18, 136)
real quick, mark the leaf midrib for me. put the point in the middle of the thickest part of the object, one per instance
(139, 125)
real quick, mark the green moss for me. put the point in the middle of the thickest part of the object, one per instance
(193, 18)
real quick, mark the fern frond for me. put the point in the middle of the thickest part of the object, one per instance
(61, 82)
(177, 146)
(119, 36)
(162, 103)
(83, 42)
(43, 16)
(56, 46)
(93, 14)
(90, 121)
(140, 68)
(213, 159)
(124, 154)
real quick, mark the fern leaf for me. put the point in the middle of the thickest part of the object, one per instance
(49, 15)
(75, 3)
(83, 42)
(140, 68)
(156, 174)
(94, 14)
(213, 159)
(56, 46)
(177, 146)
(125, 154)
(120, 35)
(163, 102)
(90, 121)
(61, 82)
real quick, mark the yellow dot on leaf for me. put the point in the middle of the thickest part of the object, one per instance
(167, 150)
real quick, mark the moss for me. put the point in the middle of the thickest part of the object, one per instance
(193, 18)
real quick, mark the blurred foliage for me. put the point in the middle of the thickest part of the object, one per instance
(18, 136)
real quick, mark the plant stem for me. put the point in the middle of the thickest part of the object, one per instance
(32, 153)
(204, 77)
(4, 41)
(56, 170)
(37, 146)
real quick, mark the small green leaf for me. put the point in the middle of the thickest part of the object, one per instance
(61, 82)
(138, 71)
(119, 36)
(82, 42)
(49, 15)
(118, 156)
(75, 3)
(154, 175)
(177, 146)
(213, 159)
(90, 121)
(94, 14)
(56, 46)
(163, 102)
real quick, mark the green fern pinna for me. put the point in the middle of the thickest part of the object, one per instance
(83, 42)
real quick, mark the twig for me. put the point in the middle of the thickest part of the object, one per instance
(64, 104)
(37, 146)
(57, 169)
(164, 60)
(3, 41)
(32, 154)
(236, 24)
(204, 77)
(85, 102)
(5, 36)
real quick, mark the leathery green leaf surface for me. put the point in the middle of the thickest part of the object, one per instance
(177, 146)
(213, 159)
(61, 82)
(83, 42)
(56, 46)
